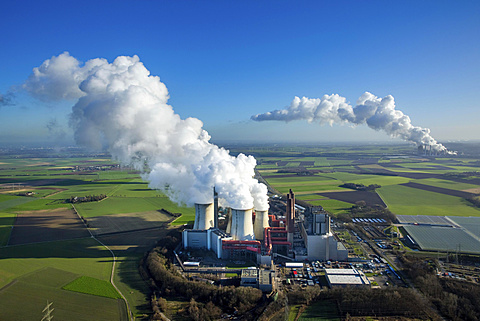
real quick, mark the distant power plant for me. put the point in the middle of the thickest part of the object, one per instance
(292, 232)
(429, 150)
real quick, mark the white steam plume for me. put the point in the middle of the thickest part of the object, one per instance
(377, 113)
(120, 104)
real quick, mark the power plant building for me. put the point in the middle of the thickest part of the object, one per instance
(261, 236)
(321, 244)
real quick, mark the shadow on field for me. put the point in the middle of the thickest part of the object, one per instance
(129, 248)
(26, 180)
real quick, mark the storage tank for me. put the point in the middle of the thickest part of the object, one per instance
(242, 225)
(204, 216)
(261, 222)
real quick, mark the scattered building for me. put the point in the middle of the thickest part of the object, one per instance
(345, 277)
(260, 279)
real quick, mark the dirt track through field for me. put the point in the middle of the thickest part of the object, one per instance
(47, 225)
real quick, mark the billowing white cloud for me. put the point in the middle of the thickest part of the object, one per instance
(121, 105)
(378, 113)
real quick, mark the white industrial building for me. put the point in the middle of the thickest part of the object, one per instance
(320, 243)
(346, 277)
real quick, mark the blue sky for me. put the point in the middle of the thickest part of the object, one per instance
(223, 61)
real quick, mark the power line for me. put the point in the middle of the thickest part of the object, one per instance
(48, 312)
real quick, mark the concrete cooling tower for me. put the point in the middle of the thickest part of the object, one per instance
(261, 222)
(229, 223)
(242, 225)
(204, 216)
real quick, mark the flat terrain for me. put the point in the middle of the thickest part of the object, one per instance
(443, 239)
(410, 184)
(370, 198)
(117, 223)
(45, 233)
(25, 299)
(132, 218)
(46, 226)
(440, 190)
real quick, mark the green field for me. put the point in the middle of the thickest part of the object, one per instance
(83, 257)
(446, 184)
(399, 199)
(404, 200)
(27, 297)
(8, 201)
(6, 222)
(118, 205)
(321, 310)
(88, 285)
(53, 183)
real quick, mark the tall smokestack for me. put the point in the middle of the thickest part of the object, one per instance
(290, 216)
(204, 216)
(215, 208)
(242, 226)
(261, 222)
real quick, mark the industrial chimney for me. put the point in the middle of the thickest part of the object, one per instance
(261, 222)
(204, 216)
(290, 216)
(242, 226)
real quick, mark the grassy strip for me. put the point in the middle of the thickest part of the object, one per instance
(88, 285)
(6, 222)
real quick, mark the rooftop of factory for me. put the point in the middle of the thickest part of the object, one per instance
(249, 273)
(344, 277)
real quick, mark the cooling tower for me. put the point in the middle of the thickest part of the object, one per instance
(204, 216)
(261, 222)
(242, 226)
(229, 223)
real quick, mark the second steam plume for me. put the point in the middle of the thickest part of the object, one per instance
(122, 107)
(378, 113)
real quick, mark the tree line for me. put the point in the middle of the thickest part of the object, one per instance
(206, 301)
(455, 299)
(361, 187)
(363, 302)
(89, 198)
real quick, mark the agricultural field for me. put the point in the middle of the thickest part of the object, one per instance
(405, 200)
(88, 285)
(410, 184)
(46, 226)
(27, 297)
(42, 237)
(321, 310)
